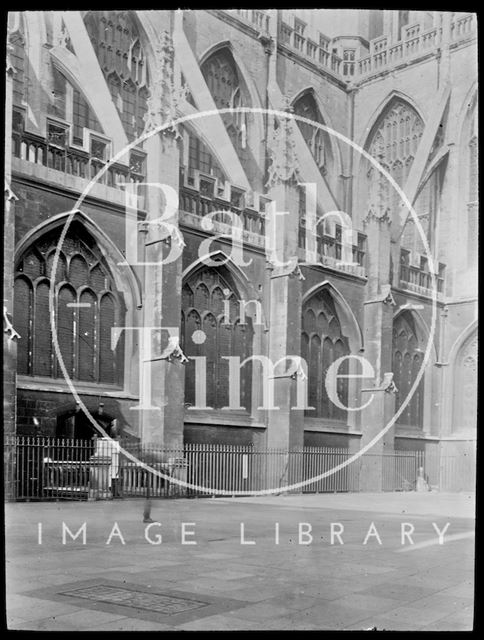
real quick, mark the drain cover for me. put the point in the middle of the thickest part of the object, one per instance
(129, 597)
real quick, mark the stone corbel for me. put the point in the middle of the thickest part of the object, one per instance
(8, 326)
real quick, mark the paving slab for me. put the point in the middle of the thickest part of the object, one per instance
(257, 582)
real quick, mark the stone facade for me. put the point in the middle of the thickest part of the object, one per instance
(81, 86)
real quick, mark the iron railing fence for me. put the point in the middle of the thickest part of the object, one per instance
(46, 468)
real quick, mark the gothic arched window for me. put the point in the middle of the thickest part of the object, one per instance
(117, 44)
(222, 78)
(465, 387)
(426, 208)
(86, 307)
(66, 99)
(316, 139)
(203, 310)
(393, 143)
(407, 361)
(322, 342)
(200, 158)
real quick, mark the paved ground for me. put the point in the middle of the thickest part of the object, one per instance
(221, 584)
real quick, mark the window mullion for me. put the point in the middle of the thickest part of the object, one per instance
(52, 352)
(75, 340)
(319, 374)
(96, 340)
(116, 369)
(30, 353)
(33, 342)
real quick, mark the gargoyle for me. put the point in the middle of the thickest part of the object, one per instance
(174, 352)
(386, 384)
(8, 326)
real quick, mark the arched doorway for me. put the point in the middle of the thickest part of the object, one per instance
(75, 424)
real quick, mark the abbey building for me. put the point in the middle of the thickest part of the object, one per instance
(180, 331)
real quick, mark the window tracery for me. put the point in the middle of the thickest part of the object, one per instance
(117, 44)
(203, 296)
(407, 361)
(86, 305)
(316, 139)
(393, 144)
(222, 78)
(322, 342)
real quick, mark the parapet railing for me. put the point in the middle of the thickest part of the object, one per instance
(383, 54)
(307, 48)
(419, 280)
(70, 160)
(256, 17)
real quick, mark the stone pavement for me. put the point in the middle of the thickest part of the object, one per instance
(290, 570)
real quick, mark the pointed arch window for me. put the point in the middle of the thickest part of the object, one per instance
(407, 361)
(223, 80)
(465, 387)
(117, 44)
(203, 310)
(322, 342)
(68, 102)
(393, 143)
(316, 139)
(86, 306)
(199, 157)
(426, 207)
(82, 117)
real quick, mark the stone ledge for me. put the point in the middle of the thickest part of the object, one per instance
(52, 386)
(219, 418)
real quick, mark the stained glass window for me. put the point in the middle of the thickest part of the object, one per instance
(86, 305)
(222, 78)
(316, 139)
(117, 44)
(322, 342)
(203, 296)
(393, 144)
(407, 361)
